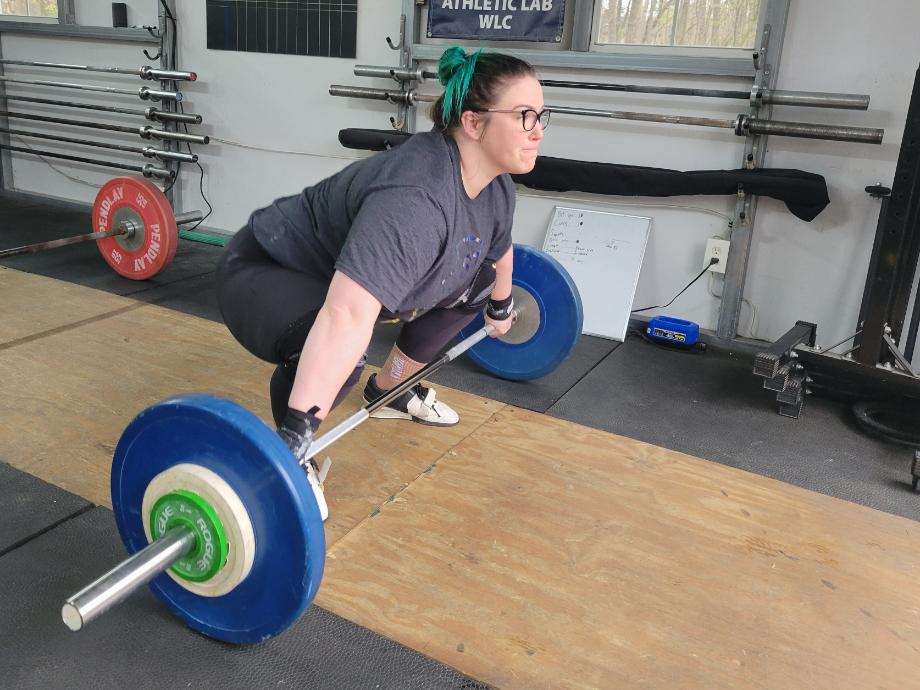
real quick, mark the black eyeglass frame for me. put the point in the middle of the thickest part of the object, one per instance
(538, 116)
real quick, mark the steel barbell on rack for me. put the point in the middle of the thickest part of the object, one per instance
(145, 170)
(206, 492)
(145, 93)
(741, 125)
(757, 96)
(145, 72)
(146, 151)
(150, 112)
(134, 225)
(145, 132)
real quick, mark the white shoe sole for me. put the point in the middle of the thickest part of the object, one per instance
(390, 413)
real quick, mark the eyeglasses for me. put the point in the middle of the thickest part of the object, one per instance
(529, 117)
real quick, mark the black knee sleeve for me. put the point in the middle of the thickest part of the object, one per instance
(279, 389)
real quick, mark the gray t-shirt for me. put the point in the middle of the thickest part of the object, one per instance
(399, 223)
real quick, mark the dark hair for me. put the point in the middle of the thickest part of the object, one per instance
(471, 82)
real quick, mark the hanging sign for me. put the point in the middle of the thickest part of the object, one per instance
(502, 20)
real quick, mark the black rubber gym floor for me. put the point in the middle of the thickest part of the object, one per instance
(142, 646)
(708, 405)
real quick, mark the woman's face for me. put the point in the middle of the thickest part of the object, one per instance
(511, 147)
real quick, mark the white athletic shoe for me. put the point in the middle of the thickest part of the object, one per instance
(420, 404)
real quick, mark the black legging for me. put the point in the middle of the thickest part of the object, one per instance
(270, 310)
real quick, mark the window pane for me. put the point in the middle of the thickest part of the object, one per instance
(29, 8)
(636, 22)
(717, 23)
(703, 23)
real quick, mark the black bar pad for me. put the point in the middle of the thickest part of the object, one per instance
(804, 193)
(371, 139)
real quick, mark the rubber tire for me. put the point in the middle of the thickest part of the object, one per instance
(896, 422)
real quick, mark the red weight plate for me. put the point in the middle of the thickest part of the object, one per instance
(153, 246)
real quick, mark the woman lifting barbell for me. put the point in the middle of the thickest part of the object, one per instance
(420, 233)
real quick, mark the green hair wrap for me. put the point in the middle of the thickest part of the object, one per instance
(455, 71)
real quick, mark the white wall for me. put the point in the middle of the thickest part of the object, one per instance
(812, 271)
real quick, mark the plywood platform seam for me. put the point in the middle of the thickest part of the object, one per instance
(424, 474)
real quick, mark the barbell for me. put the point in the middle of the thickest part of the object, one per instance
(756, 96)
(218, 514)
(136, 230)
(144, 72)
(741, 125)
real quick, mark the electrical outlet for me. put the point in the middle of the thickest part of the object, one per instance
(716, 249)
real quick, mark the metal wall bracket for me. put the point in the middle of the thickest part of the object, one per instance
(766, 61)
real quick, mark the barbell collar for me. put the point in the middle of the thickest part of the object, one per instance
(128, 228)
(163, 155)
(147, 72)
(152, 113)
(127, 577)
(410, 97)
(153, 133)
(397, 73)
(145, 93)
(158, 173)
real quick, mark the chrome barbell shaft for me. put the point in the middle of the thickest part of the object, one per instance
(150, 113)
(645, 117)
(125, 578)
(145, 132)
(144, 93)
(144, 72)
(124, 228)
(146, 151)
(63, 242)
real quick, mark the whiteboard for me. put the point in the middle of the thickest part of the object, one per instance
(603, 253)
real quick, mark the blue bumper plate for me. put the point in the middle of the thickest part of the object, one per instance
(554, 316)
(290, 545)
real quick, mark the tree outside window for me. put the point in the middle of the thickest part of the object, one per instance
(690, 23)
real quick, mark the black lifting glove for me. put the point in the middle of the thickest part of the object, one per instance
(297, 430)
